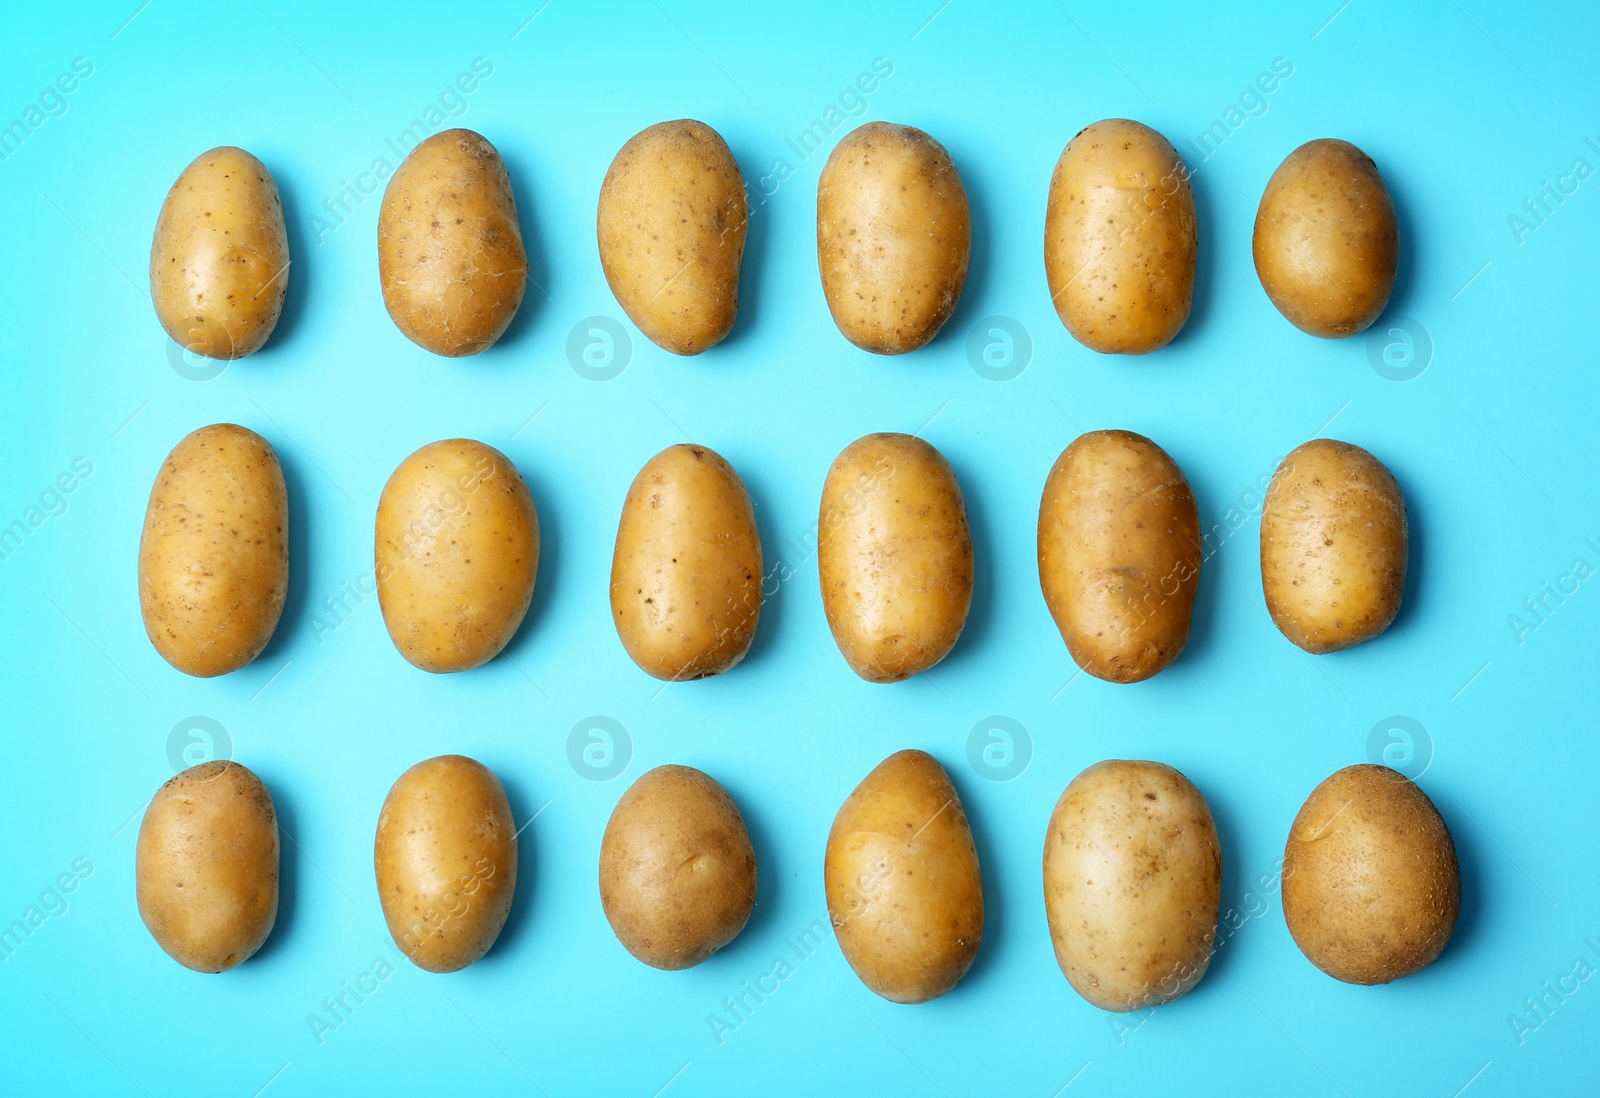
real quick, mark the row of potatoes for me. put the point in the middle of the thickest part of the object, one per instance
(894, 238)
(1132, 874)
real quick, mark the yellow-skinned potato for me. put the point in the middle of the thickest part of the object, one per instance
(1119, 554)
(671, 225)
(446, 862)
(686, 575)
(1371, 886)
(894, 235)
(895, 556)
(450, 255)
(457, 553)
(214, 554)
(1327, 242)
(677, 871)
(903, 885)
(1334, 546)
(219, 264)
(1120, 238)
(207, 866)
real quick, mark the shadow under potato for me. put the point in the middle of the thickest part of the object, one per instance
(530, 867)
(289, 856)
(297, 599)
(536, 298)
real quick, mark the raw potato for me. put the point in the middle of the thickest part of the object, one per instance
(903, 885)
(895, 556)
(446, 862)
(214, 555)
(450, 254)
(1119, 554)
(1371, 886)
(686, 575)
(207, 866)
(219, 264)
(1132, 884)
(1334, 544)
(1327, 243)
(1120, 238)
(677, 871)
(894, 235)
(672, 223)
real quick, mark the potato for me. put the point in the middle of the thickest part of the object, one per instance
(1371, 887)
(895, 556)
(207, 866)
(1119, 554)
(1334, 542)
(894, 234)
(219, 264)
(450, 255)
(672, 222)
(446, 862)
(904, 890)
(1327, 244)
(457, 540)
(677, 871)
(1132, 884)
(686, 575)
(214, 555)
(1120, 238)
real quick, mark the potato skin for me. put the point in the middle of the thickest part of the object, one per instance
(451, 260)
(219, 263)
(445, 858)
(1120, 239)
(677, 871)
(457, 553)
(1371, 885)
(1334, 546)
(207, 866)
(894, 237)
(1119, 554)
(904, 889)
(1327, 242)
(214, 553)
(671, 226)
(686, 575)
(1132, 884)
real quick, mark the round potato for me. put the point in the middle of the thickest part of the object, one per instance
(214, 554)
(894, 235)
(904, 890)
(677, 871)
(671, 224)
(1334, 545)
(686, 575)
(1371, 886)
(219, 264)
(1132, 884)
(895, 556)
(446, 862)
(1327, 243)
(457, 542)
(207, 866)
(450, 255)
(1120, 238)
(1119, 554)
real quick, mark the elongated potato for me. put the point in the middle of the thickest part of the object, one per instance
(1120, 240)
(686, 575)
(219, 264)
(457, 553)
(450, 255)
(214, 554)
(1119, 554)
(671, 225)
(894, 235)
(1334, 546)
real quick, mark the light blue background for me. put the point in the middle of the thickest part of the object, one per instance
(1467, 110)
